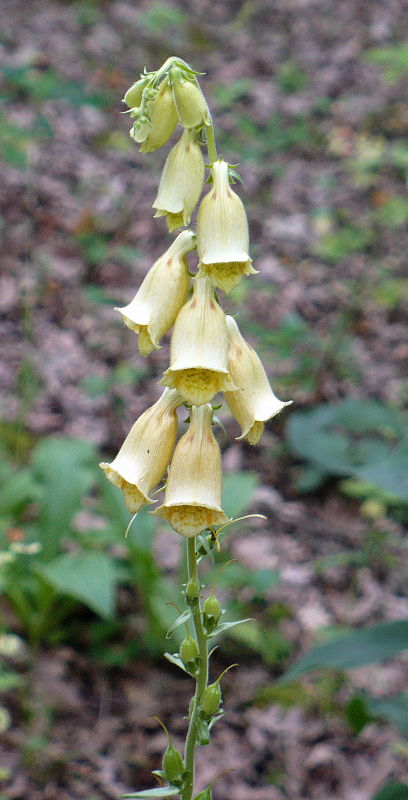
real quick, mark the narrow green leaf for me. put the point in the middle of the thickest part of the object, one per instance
(225, 626)
(161, 791)
(89, 577)
(355, 649)
(186, 615)
(174, 658)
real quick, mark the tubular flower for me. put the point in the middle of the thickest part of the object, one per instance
(193, 491)
(190, 102)
(163, 118)
(181, 182)
(222, 233)
(162, 293)
(254, 401)
(145, 454)
(199, 348)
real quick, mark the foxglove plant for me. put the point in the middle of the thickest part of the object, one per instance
(207, 355)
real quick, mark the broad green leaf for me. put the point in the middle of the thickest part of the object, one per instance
(389, 473)
(65, 469)
(366, 646)
(237, 493)
(88, 576)
(392, 791)
(365, 439)
(16, 491)
(393, 709)
(161, 791)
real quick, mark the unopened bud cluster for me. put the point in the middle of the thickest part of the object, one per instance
(207, 352)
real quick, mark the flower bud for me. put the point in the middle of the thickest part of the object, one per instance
(163, 118)
(133, 96)
(146, 452)
(222, 233)
(193, 490)
(192, 592)
(254, 401)
(211, 613)
(181, 182)
(199, 348)
(189, 654)
(190, 102)
(210, 700)
(161, 295)
(173, 765)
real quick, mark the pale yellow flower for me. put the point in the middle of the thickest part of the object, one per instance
(181, 182)
(193, 491)
(161, 295)
(190, 102)
(222, 233)
(199, 348)
(254, 401)
(145, 454)
(153, 112)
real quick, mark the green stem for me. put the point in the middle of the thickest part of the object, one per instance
(201, 679)
(211, 146)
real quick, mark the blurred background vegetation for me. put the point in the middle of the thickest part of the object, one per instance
(312, 104)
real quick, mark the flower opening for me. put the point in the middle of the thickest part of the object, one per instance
(193, 491)
(222, 233)
(199, 348)
(144, 456)
(162, 293)
(254, 402)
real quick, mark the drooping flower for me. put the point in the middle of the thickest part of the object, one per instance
(199, 348)
(193, 491)
(162, 293)
(145, 454)
(254, 402)
(189, 100)
(222, 232)
(155, 119)
(181, 182)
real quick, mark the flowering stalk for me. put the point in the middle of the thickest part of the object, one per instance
(208, 355)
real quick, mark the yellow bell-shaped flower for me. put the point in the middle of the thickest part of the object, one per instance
(145, 454)
(199, 348)
(163, 118)
(181, 182)
(193, 490)
(254, 401)
(161, 295)
(222, 233)
(190, 102)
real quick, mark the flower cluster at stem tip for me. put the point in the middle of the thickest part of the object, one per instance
(208, 354)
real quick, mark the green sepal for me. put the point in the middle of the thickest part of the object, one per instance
(203, 731)
(158, 773)
(225, 626)
(161, 791)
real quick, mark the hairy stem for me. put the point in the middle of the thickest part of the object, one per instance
(201, 679)
(211, 146)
